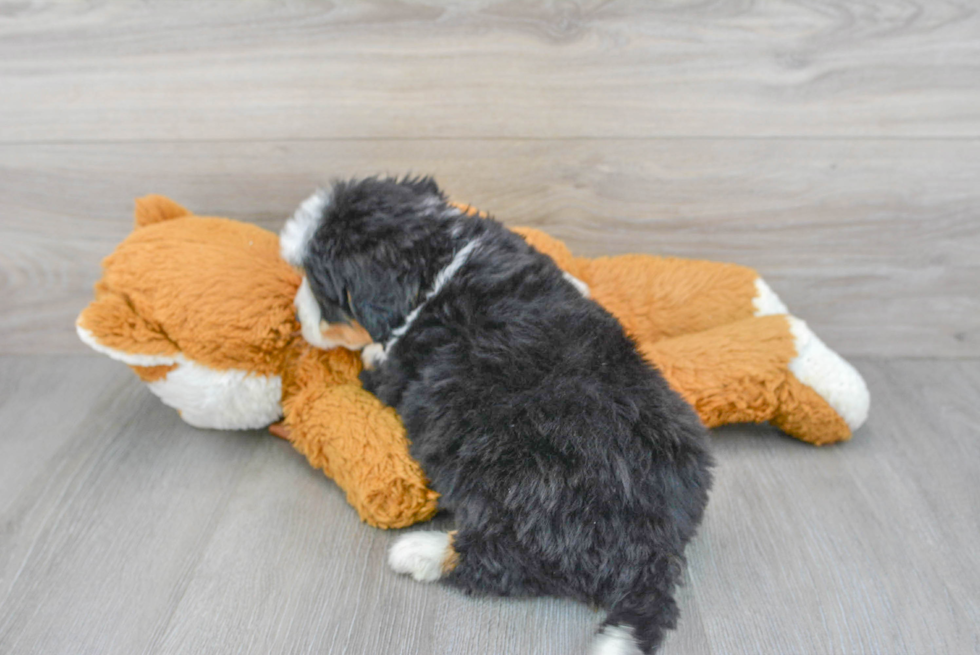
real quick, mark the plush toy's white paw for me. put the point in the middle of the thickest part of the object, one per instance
(827, 373)
(372, 355)
(420, 555)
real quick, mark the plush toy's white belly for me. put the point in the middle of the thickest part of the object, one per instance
(228, 399)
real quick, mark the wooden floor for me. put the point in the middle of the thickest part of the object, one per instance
(834, 146)
(127, 531)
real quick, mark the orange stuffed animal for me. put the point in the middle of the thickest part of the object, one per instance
(201, 308)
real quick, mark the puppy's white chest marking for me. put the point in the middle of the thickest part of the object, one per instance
(373, 355)
(444, 276)
(582, 287)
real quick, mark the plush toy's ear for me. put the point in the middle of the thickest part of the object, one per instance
(110, 326)
(469, 210)
(154, 209)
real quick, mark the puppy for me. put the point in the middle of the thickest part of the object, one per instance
(572, 469)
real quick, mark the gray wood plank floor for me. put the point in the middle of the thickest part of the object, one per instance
(126, 531)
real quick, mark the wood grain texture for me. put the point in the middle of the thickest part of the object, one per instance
(834, 146)
(130, 70)
(126, 531)
(876, 243)
(863, 548)
(98, 541)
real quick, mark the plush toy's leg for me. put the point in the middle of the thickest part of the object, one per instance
(361, 444)
(769, 368)
(661, 297)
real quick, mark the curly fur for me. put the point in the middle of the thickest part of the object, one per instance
(572, 469)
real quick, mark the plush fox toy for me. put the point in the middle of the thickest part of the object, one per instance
(201, 308)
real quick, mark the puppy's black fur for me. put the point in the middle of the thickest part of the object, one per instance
(570, 465)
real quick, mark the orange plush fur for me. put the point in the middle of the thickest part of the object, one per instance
(202, 309)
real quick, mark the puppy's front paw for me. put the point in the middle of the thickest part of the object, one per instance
(425, 556)
(373, 355)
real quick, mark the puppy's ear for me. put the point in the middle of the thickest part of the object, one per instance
(423, 185)
(381, 301)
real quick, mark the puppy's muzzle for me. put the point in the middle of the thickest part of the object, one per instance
(351, 336)
(319, 332)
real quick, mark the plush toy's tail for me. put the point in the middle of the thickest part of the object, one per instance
(154, 209)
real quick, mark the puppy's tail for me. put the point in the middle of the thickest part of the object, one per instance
(638, 620)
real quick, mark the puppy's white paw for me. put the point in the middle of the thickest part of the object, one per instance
(581, 286)
(373, 355)
(421, 555)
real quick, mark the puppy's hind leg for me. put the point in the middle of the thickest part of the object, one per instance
(492, 564)
(466, 560)
(638, 619)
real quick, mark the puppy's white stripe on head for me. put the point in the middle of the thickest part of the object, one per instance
(295, 236)
(829, 374)
(616, 640)
(442, 278)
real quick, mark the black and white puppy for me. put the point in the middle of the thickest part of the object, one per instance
(572, 469)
